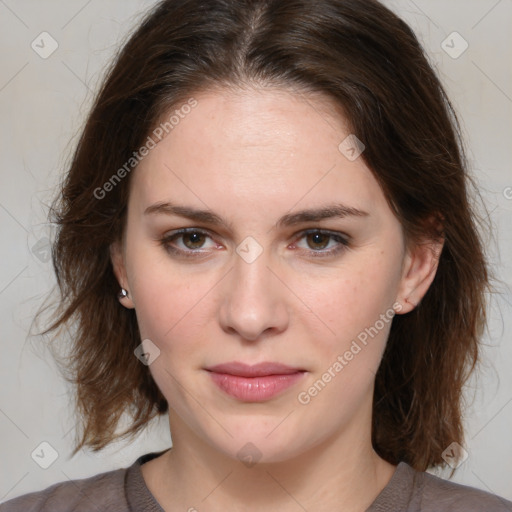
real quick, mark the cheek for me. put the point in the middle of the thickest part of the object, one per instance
(171, 313)
(359, 314)
(169, 308)
(351, 299)
(170, 304)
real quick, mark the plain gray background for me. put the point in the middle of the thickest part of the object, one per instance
(43, 102)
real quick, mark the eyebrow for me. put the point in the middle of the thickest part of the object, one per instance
(338, 211)
(290, 219)
(195, 214)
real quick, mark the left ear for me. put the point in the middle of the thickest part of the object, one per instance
(119, 268)
(419, 269)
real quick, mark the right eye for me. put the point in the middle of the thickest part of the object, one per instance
(187, 242)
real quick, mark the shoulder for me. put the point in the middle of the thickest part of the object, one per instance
(440, 494)
(104, 491)
(415, 491)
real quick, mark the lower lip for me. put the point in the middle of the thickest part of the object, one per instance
(254, 389)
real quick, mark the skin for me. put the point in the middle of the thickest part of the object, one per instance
(252, 156)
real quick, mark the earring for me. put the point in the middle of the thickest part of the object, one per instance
(122, 294)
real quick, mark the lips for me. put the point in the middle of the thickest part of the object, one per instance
(254, 383)
(256, 370)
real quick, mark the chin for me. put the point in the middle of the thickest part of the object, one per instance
(257, 447)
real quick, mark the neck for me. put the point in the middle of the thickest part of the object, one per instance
(337, 471)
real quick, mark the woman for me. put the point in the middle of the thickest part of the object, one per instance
(265, 233)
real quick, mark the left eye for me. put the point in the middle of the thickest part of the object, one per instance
(193, 240)
(320, 241)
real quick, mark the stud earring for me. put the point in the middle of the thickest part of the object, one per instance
(122, 294)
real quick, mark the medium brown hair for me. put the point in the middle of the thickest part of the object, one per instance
(368, 61)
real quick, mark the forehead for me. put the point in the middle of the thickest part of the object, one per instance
(255, 147)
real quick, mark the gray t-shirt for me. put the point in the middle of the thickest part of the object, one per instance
(124, 490)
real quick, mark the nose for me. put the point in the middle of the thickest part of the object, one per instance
(254, 302)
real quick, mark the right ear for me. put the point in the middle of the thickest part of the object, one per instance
(119, 267)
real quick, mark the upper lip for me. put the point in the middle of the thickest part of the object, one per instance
(256, 370)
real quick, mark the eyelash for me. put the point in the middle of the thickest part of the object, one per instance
(166, 240)
(343, 242)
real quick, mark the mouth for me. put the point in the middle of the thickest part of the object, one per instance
(254, 383)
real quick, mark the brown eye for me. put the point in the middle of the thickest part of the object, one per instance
(188, 242)
(193, 240)
(320, 243)
(317, 240)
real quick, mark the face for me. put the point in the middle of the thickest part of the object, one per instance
(291, 255)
